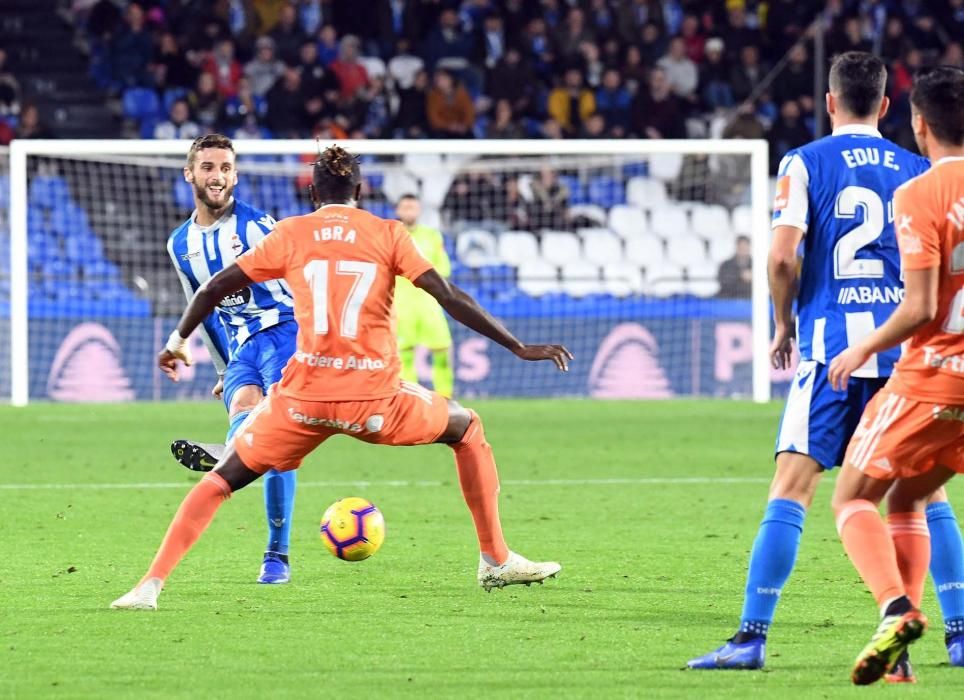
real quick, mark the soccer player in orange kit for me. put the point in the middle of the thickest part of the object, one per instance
(911, 438)
(340, 263)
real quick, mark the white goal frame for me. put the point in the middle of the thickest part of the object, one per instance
(757, 150)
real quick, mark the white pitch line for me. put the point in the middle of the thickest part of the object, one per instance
(643, 481)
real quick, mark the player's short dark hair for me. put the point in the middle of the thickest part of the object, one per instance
(938, 95)
(858, 80)
(335, 175)
(208, 141)
(407, 195)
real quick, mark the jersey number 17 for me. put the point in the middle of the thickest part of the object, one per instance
(316, 274)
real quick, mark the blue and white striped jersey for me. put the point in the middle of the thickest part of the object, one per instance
(839, 190)
(198, 253)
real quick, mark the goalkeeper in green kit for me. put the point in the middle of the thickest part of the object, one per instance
(421, 320)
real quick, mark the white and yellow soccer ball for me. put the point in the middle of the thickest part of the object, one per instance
(352, 528)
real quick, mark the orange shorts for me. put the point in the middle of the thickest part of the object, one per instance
(899, 437)
(283, 430)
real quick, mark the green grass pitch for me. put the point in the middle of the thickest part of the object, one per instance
(650, 507)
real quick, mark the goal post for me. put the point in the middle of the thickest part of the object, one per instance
(623, 266)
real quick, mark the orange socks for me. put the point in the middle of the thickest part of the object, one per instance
(192, 518)
(480, 487)
(912, 543)
(871, 549)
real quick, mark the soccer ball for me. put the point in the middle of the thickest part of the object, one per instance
(352, 529)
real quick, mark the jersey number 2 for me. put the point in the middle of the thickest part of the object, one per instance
(845, 262)
(316, 274)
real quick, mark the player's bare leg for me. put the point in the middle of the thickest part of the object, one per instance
(195, 513)
(479, 479)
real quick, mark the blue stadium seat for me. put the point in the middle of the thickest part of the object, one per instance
(183, 195)
(101, 271)
(140, 103)
(49, 192)
(637, 169)
(172, 95)
(41, 248)
(83, 249)
(4, 192)
(606, 191)
(577, 193)
(382, 209)
(147, 126)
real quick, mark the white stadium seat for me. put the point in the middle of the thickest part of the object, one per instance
(580, 279)
(685, 250)
(722, 248)
(404, 68)
(627, 221)
(435, 185)
(665, 280)
(591, 212)
(374, 66)
(518, 247)
(741, 220)
(645, 192)
(477, 247)
(398, 182)
(665, 166)
(431, 217)
(709, 220)
(702, 270)
(537, 277)
(623, 279)
(644, 250)
(561, 248)
(601, 246)
(669, 221)
(422, 164)
(703, 288)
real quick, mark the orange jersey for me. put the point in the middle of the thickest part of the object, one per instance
(340, 263)
(929, 215)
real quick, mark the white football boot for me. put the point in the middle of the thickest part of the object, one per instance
(516, 569)
(142, 597)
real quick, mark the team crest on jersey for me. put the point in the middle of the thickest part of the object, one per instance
(236, 300)
(236, 245)
(782, 196)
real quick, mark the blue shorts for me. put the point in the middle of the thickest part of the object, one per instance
(260, 359)
(819, 421)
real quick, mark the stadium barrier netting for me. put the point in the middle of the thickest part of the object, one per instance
(610, 247)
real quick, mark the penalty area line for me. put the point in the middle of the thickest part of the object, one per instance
(642, 481)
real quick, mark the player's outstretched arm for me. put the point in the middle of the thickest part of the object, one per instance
(782, 271)
(205, 299)
(467, 311)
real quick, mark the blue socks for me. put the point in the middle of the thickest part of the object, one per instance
(947, 565)
(771, 561)
(279, 498)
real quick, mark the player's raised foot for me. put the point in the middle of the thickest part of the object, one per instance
(894, 634)
(735, 656)
(902, 672)
(274, 568)
(197, 456)
(955, 649)
(142, 597)
(516, 569)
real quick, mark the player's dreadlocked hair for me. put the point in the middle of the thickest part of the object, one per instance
(208, 141)
(335, 175)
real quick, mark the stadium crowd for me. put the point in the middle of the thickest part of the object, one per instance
(492, 68)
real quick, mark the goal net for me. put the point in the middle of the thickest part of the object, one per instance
(613, 248)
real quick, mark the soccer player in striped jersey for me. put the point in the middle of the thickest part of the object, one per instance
(250, 335)
(835, 199)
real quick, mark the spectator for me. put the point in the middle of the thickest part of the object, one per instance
(736, 274)
(786, 21)
(652, 44)
(511, 208)
(451, 114)
(594, 128)
(131, 50)
(287, 113)
(550, 202)
(538, 49)
(397, 19)
(747, 74)
(680, 70)
(9, 88)
(551, 129)
(693, 39)
(447, 40)
(601, 18)
(571, 103)
(612, 53)
(178, 125)
(953, 55)
(264, 69)
(895, 41)
(504, 124)
(635, 73)
(244, 104)
(31, 125)
(171, 68)
(206, 104)
(411, 117)
(493, 41)
(786, 133)
(327, 45)
(738, 32)
(472, 197)
(926, 37)
(715, 90)
(634, 15)
(614, 103)
(656, 111)
(512, 80)
(953, 18)
(351, 74)
(311, 14)
(377, 118)
(571, 36)
(7, 134)
(315, 80)
(796, 80)
(848, 38)
(225, 68)
(287, 34)
(591, 63)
